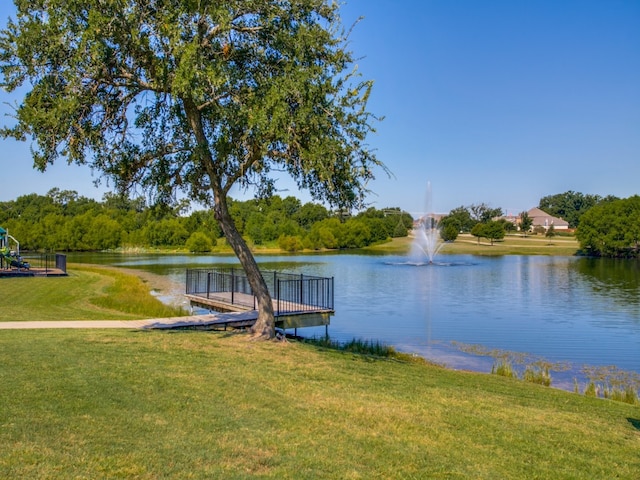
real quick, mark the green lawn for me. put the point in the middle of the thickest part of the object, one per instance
(511, 245)
(175, 405)
(88, 293)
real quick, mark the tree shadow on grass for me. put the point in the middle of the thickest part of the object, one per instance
(635, 423)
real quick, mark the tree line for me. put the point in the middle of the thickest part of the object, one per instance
(62, 220)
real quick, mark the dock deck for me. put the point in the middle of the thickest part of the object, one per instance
(242, 313)
(298, 300)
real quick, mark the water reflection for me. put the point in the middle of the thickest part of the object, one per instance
(612, 279)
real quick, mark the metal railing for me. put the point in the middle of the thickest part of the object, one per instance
(291, 293)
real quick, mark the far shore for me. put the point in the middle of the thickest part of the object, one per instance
(465, 244)
(514, 244)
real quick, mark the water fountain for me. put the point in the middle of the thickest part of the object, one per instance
(427, 240)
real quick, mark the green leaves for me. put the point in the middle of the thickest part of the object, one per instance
(226, 91)
(611, 229)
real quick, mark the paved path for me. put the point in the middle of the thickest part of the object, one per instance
(161, 323)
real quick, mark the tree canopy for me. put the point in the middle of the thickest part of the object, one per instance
(63, 220)
(611, 229)
(491, 230)
(461, 218)
(194, 97)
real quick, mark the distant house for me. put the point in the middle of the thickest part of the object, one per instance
(543, 219)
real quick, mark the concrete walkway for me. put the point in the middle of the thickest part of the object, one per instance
(220, 319)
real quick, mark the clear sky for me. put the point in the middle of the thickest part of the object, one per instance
(496, 101)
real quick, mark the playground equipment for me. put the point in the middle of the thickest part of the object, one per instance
(10, 258)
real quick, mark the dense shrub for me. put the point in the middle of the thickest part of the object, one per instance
(199, 242)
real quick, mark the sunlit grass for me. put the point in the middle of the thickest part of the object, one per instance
(88, 293)
(513, 245)
(467, 244)
(148, 405)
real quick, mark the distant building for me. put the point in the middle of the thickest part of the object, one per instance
(543, 219)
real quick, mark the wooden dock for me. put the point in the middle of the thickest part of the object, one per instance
(212, 321)
(241, 313)
(298, 300)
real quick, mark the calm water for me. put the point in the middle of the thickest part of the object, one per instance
(563, 309)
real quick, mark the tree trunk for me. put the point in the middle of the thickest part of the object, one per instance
(264, 327)
(265, 324)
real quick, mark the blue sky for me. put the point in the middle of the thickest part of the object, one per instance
(501, 102)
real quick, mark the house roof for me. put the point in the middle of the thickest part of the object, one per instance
(543, 218)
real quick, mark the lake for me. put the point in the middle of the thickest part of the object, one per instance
(579, 311)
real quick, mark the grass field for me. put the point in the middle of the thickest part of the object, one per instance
(467, 244)
(88, 293)
(150, 405)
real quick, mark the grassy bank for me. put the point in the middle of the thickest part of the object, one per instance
(88, 293)
(467, 244)
(147, 405)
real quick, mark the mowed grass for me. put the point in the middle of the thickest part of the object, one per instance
(88, 293)
(199, 405)
(467, 244)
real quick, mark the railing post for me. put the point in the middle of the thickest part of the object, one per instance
(277, 286)
(301, 289)
(208, 283)
(332, 296)
(233, 284)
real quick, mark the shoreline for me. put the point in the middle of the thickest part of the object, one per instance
(447, 355)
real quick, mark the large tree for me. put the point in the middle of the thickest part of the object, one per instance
(491, 230)
(462, 217)
(611, 229)
(194, 96)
